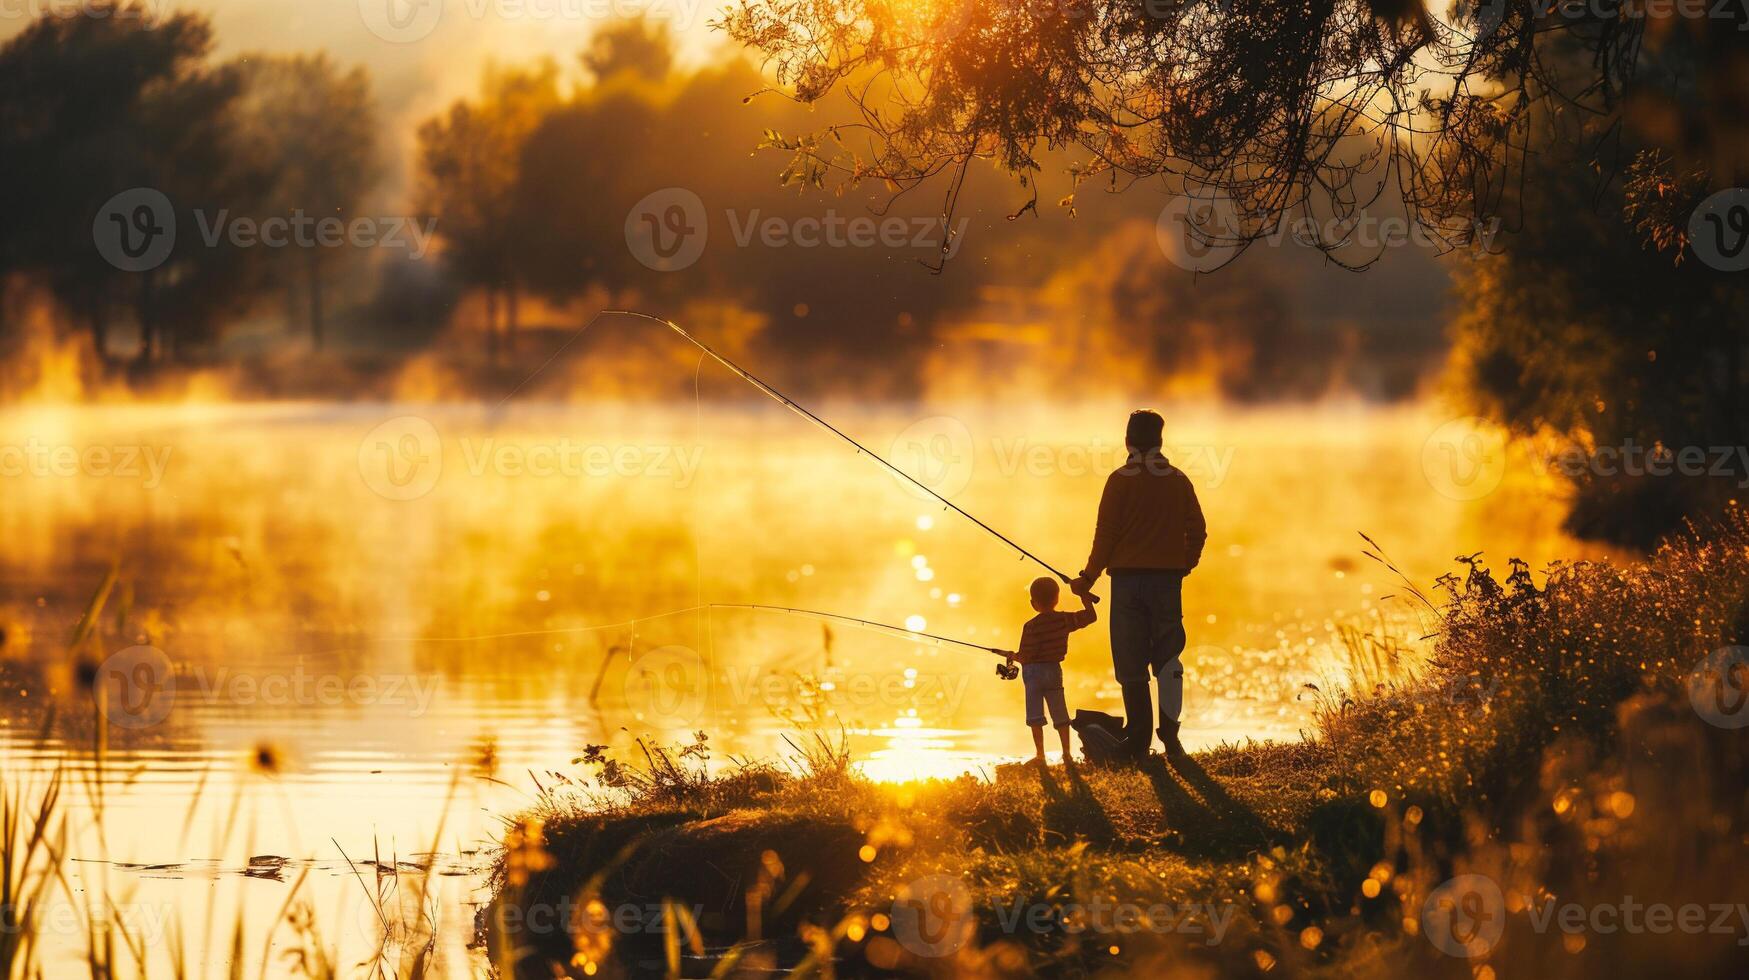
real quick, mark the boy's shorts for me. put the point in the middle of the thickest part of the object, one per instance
(1044, 688)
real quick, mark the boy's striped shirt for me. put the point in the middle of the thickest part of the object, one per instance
(1045, 637)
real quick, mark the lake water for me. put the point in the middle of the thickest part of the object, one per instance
(365, 632)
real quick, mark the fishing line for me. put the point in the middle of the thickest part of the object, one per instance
(865, 623)
(630, 623)
(793, 406)
(704, 607)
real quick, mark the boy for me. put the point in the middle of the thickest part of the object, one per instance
(1044, 642)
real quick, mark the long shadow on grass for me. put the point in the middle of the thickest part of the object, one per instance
(1075, 815)
(1214, 826)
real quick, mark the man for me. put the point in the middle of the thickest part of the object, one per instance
(1149, 535)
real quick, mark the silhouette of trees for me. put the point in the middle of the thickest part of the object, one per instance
(1592, 325)
(100, 105)
(314, 126)
(1317, 107)
(635, 47)
(470, 162)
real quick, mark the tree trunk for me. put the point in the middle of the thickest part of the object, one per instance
(292, 312)
(146, 316)
(492, 323)
(315, 284)
(98, 318)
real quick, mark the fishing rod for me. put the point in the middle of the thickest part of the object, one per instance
(865, 623)
(791, 404)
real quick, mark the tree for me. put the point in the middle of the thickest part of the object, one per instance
(1582, 328)
(470, 162)
(633, 47)
(100, 105)
(315, 126)
(1280, 106)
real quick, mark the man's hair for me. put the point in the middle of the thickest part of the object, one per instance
(1044, 590)
(1144, 430)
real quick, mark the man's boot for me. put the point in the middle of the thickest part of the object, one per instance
(1138, 707)
(1169, 735)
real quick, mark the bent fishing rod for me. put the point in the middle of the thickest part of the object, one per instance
(792, 405)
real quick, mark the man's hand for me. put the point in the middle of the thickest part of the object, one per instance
(1082, 585)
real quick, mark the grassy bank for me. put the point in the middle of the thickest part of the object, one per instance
(1553, 754)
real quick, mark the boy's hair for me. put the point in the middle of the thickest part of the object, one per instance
(1144, 430)
(1044, 590)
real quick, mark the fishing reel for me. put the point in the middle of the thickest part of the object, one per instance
(1008, 672)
